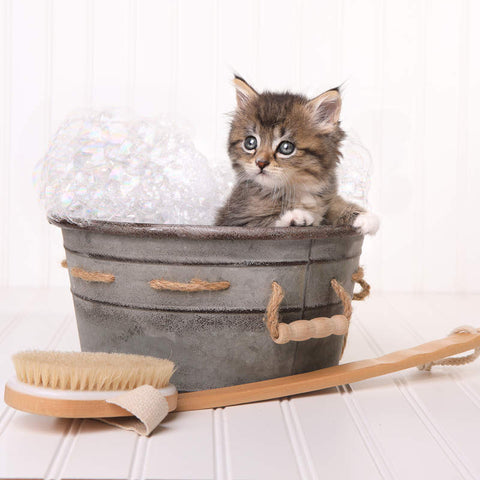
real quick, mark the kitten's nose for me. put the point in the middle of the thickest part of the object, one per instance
(262, 163)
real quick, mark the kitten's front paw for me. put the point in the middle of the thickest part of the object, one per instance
(296, 217)
(368, 223)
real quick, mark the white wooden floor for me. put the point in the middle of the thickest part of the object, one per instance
(412, 425)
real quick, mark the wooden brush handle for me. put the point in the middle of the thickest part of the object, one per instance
(329, 377)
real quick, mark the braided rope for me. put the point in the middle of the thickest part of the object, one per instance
(100, 277)
(357, 277)
(455, 361)
(88, 276)
(195, 285)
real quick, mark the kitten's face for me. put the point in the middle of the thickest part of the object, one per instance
(285, 140)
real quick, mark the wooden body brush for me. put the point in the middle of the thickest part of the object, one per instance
(78, 384)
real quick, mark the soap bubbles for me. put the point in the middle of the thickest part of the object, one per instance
(354, 170)
(110, 165)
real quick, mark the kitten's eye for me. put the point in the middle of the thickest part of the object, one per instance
(250, 143)
(286, 148)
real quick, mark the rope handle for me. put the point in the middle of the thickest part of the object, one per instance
(195, 285)
(321, 327)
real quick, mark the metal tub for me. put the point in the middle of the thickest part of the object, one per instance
(216, 338)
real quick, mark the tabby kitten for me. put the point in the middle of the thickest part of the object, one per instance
(284, 149)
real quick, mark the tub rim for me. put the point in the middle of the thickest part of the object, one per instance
(206, 232)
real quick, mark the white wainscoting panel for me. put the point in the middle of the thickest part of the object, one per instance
(410, 71)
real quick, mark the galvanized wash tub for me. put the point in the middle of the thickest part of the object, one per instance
(216, 338)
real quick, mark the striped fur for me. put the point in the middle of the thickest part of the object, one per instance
(300, 189)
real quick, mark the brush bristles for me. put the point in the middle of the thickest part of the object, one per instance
(91, 371)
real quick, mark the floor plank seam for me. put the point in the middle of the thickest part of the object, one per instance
(62, 452)
(435, 430)
(421, 411)
(64, 449)
(5, 419)
(227, 453)
(139, 457)
(219, 445)
(59, 333)
(22, 311)
(455, 376)
(8, 413)
(7, 329)
(371, 443)
(464, 385)
(61, 455)
(297, 442)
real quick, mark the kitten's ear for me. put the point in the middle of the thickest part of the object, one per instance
(326, 109)
(245, 93)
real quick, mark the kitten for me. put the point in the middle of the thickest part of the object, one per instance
(284, 149)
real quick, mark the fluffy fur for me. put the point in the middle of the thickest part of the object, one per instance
(276, 187)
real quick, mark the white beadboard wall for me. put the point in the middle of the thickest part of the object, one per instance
(412, 94)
